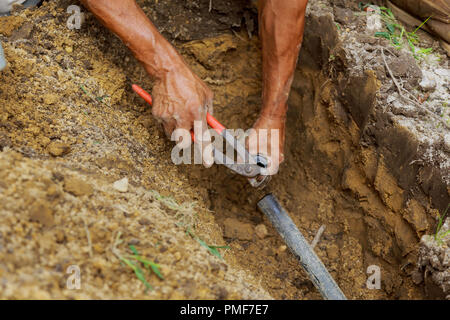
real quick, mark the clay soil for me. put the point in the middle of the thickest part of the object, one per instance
(70, 126)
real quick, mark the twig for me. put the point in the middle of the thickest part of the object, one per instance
(400, 89)
(115, 242)
(210, 5)
(237, 35)
(318, 235)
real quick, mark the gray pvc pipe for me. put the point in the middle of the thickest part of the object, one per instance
(6, 5)
(2, 58)
(310, 262)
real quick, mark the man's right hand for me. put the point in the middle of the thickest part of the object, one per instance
(179, 99)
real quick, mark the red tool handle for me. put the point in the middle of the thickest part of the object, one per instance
(213, 122)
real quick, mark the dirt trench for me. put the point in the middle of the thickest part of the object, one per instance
(70, 111)
(346, 170)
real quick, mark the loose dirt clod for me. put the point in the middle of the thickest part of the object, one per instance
(261, 231)
(42, 213)
(235, 229)
(77, 187)
(57, 149)
(434, 262)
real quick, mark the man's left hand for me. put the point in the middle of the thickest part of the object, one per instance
(267, 139)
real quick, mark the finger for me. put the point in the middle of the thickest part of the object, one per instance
(208, 156)
(210, 106)
(169, 127)
(203, 138)
(272, 166)
(184, 125)
(251, 141)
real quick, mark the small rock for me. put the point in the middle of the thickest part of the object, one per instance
(24, 32)
(134, 242)
(78, 187)
(427, 84)
(45, 141)
(121, 185)
(144, 221)
(50, 98)
(261, 231)
(98, 248)
(333, 252)
(221, 293)
(236, 229)
(58, 149)
(281, 249)
(417, 276)
(177, 256)
(113, 226)
(447, 142)
(41, 212)
(163, 249)
(60, 236)
(269, 252)
(343, 16)
(391, 98)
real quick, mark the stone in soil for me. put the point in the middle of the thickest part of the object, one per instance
(58, 149)
(41, 212)
(236, 229)
(77, 187)
(261, 231)
(121, 185)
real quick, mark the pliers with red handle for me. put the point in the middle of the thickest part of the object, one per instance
(252, 167)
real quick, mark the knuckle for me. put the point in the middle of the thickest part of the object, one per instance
(209, 94)
(157, 113)
(197, 112)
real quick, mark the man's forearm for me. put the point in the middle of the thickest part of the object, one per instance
(281, 31)
(127, 20)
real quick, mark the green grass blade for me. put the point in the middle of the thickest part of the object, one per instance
(147, 263)
(391, 27)
(441, 221)
(133, 249)
(385, 35)
(423, 23)
(138, 272)
(150, 265)
(155, 269)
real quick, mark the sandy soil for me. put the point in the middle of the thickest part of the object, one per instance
(70, 127)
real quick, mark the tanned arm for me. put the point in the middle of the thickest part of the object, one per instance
(281, 32)
(179, 96)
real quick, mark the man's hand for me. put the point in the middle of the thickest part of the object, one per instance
(179, 99)
(179, 96)
(281, 32)
(267, 139)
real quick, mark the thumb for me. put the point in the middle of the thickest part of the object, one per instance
(203, 141)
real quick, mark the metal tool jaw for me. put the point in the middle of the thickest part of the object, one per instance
(246, 164)
(2, 58)
(6, 5)
(261, 180)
